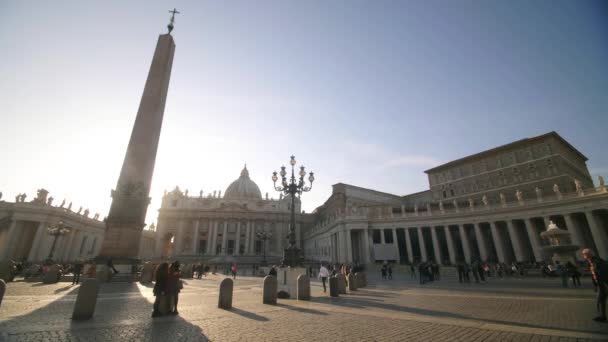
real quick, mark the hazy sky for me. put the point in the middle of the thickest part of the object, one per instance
(369, 93)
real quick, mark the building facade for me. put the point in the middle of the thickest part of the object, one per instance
(24, 234)
(228, 227)
(489, 206)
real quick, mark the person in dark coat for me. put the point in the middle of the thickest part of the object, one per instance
(273, 271)
(77, 271)
(599, 272)
(161, 275)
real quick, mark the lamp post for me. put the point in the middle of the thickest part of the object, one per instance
(292, 256)
(56, 231)
(264, 235)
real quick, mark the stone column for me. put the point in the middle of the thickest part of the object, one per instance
(396, 245)
(238, 238)
(40, 231)
(599, 235)
(498, 243)
(534, 237)
(576, 234)
(517, 247)
(68, 247)
(179, 239)
(196, 237)
(158, 243)
(423, 255)
(408, 245)
(252, 239)
(349, 246)
(212, 236)
(366, 255)
(247, 237)
(382, 238)
(481, 242)
(225, 238)
(436, 246)
(465, 243)
(450, 241)
(6, 251)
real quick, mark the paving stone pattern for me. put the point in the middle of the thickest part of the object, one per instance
(396, 310)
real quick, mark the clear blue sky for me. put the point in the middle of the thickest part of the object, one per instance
(369, 93)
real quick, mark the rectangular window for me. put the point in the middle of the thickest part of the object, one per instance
(376, 236)
(230, 247)
(388, 235)
(202, 247)
(218, 249)
(258, 247)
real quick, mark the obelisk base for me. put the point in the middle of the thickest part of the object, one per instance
(120, 249)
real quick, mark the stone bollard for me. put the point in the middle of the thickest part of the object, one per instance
(358, 280)
(333, 287)
(147, 273)
(225, 300)
(86, 300)
(351, 282)
(341, 283)
(303, 288)
(270, 290)
(52, 275)
(6, 270)
(2, 290)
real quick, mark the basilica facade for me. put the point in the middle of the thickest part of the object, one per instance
(238, 225)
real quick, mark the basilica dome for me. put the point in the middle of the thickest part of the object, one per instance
(243, 188)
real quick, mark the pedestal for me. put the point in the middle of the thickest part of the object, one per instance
(288, 279)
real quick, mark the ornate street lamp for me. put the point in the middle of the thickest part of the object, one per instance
(264, 235)
(56, 231)
(292, 256)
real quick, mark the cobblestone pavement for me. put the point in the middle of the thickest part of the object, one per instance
(394, 310)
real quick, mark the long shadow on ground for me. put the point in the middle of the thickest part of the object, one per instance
(115, 319)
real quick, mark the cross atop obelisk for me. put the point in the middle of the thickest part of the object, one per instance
(173, 13)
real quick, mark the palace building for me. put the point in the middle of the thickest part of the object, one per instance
(492, 206)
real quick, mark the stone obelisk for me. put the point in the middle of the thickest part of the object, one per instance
(130, 199)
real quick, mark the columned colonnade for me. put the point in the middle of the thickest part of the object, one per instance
(508, 233)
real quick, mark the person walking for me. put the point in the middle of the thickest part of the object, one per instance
(77, 271)
(323, 274)
(174, 285)
(562, 272)
(234, 269)
(160, 286)
(574, 274)
(390, 272)
(599, 273)
(383, 272)
(110, 264)
(422, 272)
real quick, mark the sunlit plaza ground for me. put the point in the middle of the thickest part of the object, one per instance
(532, 309)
